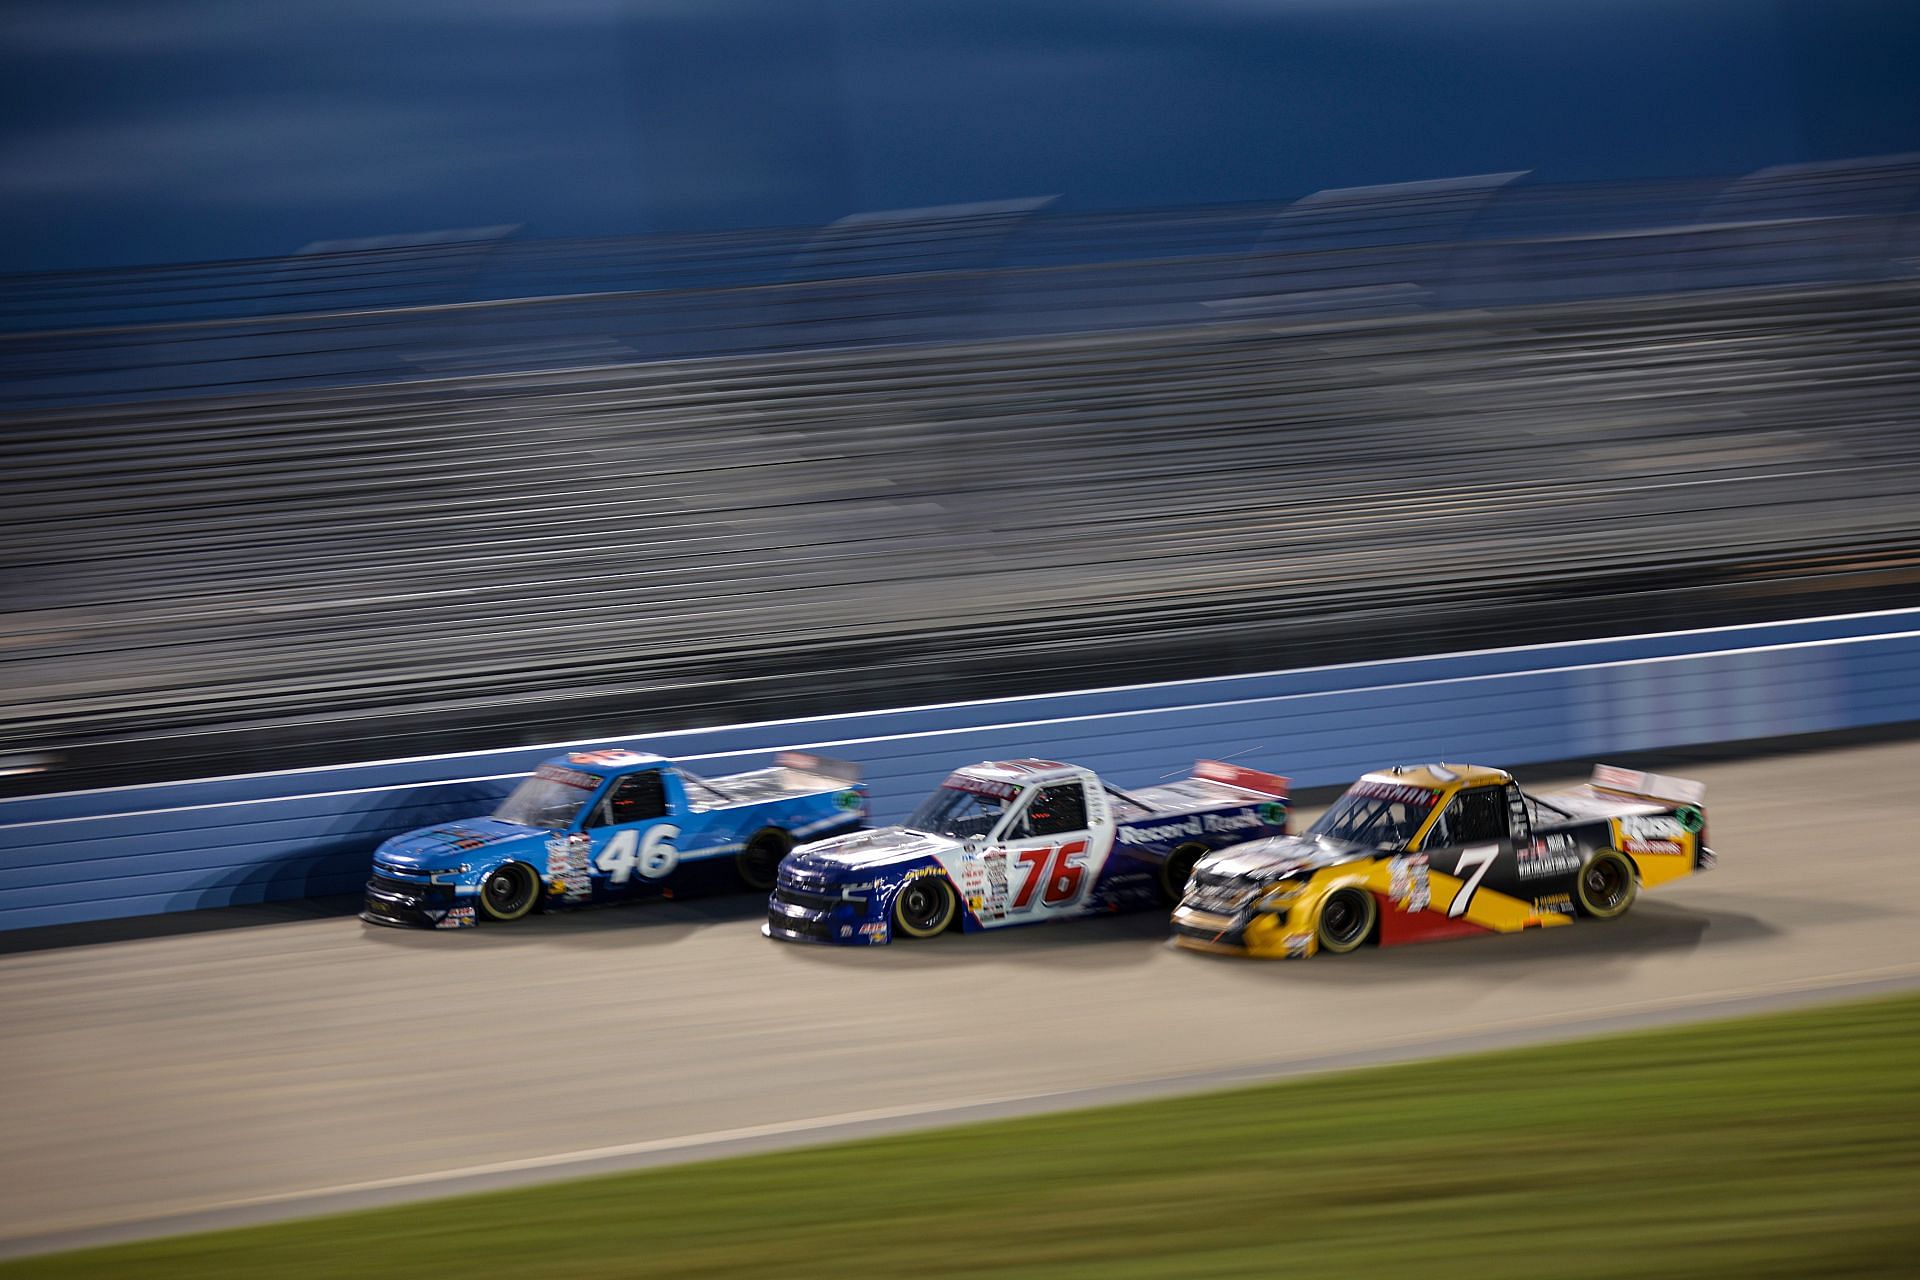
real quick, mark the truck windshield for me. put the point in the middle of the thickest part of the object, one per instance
(961, 811)
(551, 798)
(1384, 815)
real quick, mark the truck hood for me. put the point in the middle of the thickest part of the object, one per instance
(1280, 856)
(865, 851)
(453, 842)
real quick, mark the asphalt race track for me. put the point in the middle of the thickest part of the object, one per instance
(202, 1079)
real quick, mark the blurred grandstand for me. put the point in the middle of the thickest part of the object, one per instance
(468, 490)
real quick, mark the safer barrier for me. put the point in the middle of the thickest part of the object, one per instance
(136, 851)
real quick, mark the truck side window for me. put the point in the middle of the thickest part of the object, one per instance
(1480, 814)
(1055, 810)
(635, 798)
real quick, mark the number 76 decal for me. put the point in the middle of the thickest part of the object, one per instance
(1063, 880)
(1479, 857)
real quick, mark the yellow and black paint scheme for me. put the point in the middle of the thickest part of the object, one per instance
(1444, 850)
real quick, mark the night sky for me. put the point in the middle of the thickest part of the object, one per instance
(149, 130)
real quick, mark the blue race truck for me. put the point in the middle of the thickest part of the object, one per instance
(598, 826)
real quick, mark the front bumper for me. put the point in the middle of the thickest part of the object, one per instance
(803, 912)
(407, 904)
(1265, 934)
(1198, 930)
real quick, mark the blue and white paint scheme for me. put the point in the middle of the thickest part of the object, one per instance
(595, 826)
(1020, 842)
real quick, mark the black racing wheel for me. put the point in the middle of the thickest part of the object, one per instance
(1605, 887)
(759, 863)
(1177, 870)
(510, 891)
(924, 907)
(1346, 920)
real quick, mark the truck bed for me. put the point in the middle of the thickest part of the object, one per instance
(794, 774)
(1190, 794)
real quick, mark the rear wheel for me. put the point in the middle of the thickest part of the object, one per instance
(1177, 870)
(924, 907)
(1346, 920)
(509, 892)
(759, 862)
(1605, 887)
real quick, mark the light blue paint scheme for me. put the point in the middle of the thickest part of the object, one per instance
(139, 851)
(465, 852)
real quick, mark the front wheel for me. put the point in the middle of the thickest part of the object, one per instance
(1346, 920)
(926, 906)
(509, 892)
(1605, 887)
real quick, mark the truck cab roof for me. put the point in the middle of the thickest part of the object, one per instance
(1022, 773)
(1440, 776)
(606, 762)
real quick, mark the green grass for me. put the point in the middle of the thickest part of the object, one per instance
(1786, 1145)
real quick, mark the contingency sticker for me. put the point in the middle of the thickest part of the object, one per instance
(456, 918)
(1410, 888)
(567, 866)
(983, 883)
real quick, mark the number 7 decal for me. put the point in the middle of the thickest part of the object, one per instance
(1479, 857)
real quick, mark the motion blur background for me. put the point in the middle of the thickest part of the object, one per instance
(383, 380)
(390, 378)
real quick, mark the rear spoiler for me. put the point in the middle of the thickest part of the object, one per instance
(1648, 786)
(1234, 775)
(819, 766)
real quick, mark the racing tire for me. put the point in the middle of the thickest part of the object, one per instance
(1605, 887)
(924, 907)
(1347, 917)
(1177, 870)
(759, 863)
(510, 891)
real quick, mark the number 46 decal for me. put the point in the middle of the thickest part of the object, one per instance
(1063, 880)
(1479, 857)
(654, 858)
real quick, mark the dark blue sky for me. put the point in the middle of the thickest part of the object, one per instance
(163, 130)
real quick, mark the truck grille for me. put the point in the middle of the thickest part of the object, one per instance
(806, 899)
(412, 889)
